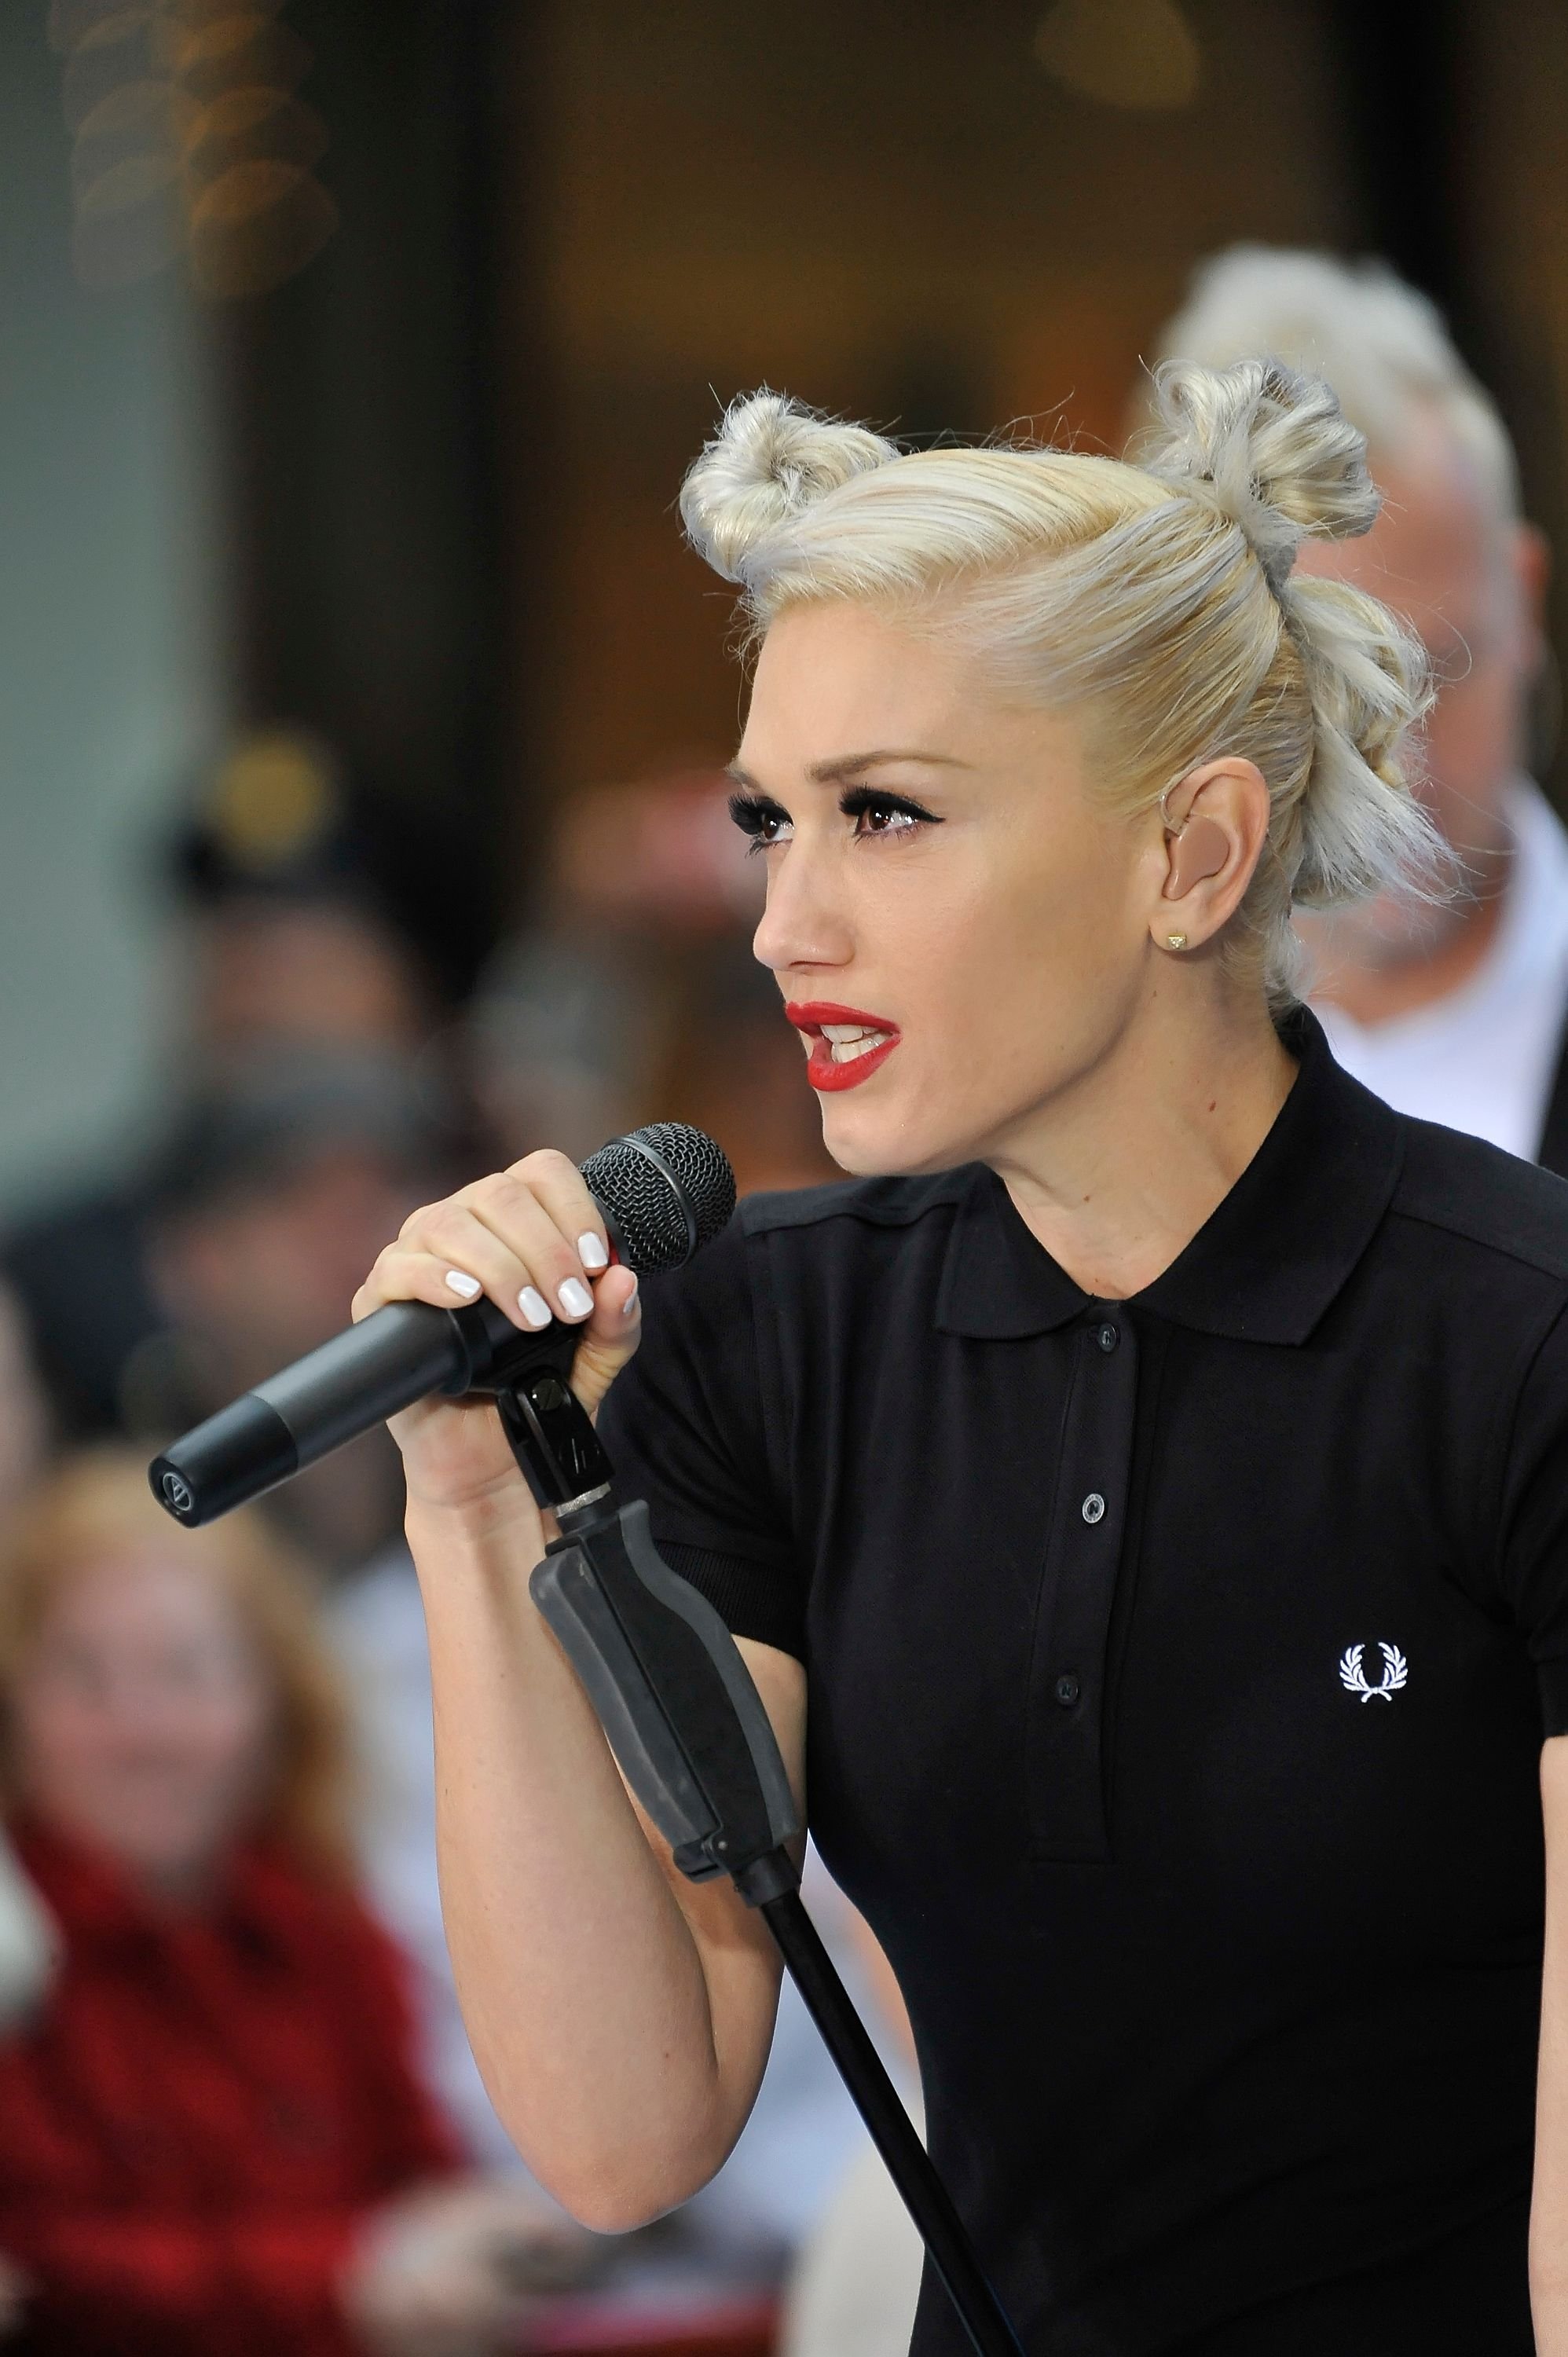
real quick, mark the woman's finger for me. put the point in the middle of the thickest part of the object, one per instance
(558, 1184)
(477, 1260)
(402, 1272)
(557, 1269)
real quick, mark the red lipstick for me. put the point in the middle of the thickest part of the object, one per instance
(814, 1015)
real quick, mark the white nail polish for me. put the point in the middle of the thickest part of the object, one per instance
(591, 1252)
(461, 1282)
(533, 1305)
(629, 1306)
(575, 1297)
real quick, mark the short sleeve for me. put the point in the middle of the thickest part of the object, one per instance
(1534, 1524)
(686, 1428)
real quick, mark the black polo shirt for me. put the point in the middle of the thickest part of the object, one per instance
(1178, 1672)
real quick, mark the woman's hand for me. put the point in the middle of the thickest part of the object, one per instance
(453, 2270)
(532, 1238)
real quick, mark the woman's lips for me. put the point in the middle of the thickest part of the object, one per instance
(838, 1060)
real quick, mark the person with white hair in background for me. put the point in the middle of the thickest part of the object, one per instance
(1453, 1006)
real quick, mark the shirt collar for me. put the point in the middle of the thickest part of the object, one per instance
(1267, 1262)
(1527, 953)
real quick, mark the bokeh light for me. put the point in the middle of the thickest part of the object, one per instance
(188, 137)
(1128, 53)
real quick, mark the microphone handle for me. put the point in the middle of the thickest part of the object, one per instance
(370, 1371)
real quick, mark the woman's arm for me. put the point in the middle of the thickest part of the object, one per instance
(1549, 2206)
(620, 2015)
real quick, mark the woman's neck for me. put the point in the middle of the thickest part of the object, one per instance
(1116, 1175)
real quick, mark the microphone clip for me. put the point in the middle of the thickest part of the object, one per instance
(552, 1435)
(552, 1438)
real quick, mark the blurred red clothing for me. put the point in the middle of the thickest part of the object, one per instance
(194, 2126)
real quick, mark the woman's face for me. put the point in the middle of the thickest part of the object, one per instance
(142, 1720)
(960, 931)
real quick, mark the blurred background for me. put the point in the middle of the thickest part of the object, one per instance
(417, 497)
(363, 715)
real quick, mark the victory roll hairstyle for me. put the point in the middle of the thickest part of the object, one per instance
(1156, 599)
(1385, 348)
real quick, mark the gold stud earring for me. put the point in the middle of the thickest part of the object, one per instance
(1176, 941)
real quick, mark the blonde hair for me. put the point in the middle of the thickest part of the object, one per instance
(1156, 598)
(1384, 349)
(96, 1503)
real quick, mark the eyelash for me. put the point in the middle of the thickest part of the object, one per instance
(753, 812)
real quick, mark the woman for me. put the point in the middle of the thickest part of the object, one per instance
(1155, 1462)
(211, 2138)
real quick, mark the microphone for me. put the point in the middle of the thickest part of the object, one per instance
(664, 1192)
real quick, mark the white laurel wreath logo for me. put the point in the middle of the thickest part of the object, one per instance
(1352, 1676)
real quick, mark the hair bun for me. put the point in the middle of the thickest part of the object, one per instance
(770, 458)
(1273, 446)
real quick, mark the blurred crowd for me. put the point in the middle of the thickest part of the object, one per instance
(236, 2108)
(337, 1066)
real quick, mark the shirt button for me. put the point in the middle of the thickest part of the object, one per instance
(1066, 1690)
(1107, 1335)
(1093, 1507)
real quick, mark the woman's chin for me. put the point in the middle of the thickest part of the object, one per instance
(885, 1141)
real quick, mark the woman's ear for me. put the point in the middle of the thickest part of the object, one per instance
(1217, 822)
(1200, 850)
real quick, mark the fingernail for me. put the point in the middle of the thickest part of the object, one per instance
(461, 1282)
(575, 1297)
(591, 1252)
(533, 1305)
(629, 1306)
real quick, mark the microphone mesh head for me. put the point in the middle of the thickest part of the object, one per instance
(669, 1190)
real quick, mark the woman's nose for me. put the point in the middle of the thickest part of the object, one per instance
(804, 923)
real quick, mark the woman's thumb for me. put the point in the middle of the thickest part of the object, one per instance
(609, 1338)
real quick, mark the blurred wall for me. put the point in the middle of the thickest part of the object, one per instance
(891, 209)
(1512, 191)
(361, 510)
(572, 229)
(109, 690)
(887, 209)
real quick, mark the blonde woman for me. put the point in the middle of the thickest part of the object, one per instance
(211, 2135)
(1152, 1467)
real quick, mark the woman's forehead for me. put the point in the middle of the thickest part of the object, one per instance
(837, 684)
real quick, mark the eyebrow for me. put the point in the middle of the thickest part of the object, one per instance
(851, 765)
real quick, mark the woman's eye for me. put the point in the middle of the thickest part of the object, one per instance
(766, 822)
(884, 814)
(886, 818)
